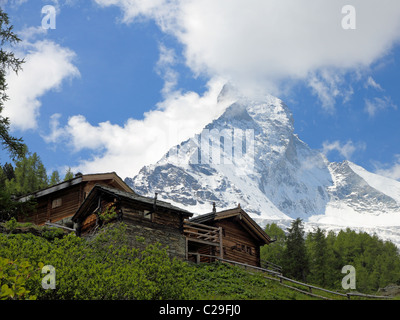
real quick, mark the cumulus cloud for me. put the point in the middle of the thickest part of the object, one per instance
(137, 143)
(346, 150)
(47, 66)
(260, 46)
(272, 43)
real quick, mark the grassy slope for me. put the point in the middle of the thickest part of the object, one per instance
(223, 282)
(220, 281)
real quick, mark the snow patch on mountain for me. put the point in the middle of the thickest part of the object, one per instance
(276, 177)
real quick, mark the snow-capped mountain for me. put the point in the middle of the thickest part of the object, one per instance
(250, 155)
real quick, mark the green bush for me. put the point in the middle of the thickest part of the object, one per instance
(14, 278)
(105, 267)
(101, 268)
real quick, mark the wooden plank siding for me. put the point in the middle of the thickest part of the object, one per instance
(45, 211)
(240, 235)
(69, 196)
(136, 211)
(131, 208)
(237, 244)
(69, 204)
(89, 223)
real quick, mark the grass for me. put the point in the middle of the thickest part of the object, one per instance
(217, 281)
(220, 281)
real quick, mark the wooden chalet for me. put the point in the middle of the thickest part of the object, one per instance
(230, 234)
(149, 218)
(62, 200)
(86, 202)
(129, 207)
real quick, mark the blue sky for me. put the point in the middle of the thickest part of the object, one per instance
(119, 82)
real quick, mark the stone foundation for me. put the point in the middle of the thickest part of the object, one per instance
(140, 236)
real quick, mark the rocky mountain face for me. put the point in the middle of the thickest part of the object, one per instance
(250, 155)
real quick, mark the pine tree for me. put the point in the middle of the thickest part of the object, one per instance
(8, 61)
(273, 252)
(295, 254)
(8, 170)
(30, 175)
(334, 263)
(68, 175)
(318, 254)
(8, 190)
(54, 178)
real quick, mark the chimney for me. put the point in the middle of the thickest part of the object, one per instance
(155, 201)
(214, 209)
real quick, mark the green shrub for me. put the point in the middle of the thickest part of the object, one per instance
(14, 278)
(101, 268)
(11, 225)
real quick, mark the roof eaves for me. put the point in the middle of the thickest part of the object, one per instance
(136, 197)
(48, 190)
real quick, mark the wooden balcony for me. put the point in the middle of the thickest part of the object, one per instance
(202, 235)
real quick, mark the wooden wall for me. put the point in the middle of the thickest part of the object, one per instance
(238, 244)
(136, 212)
(55, 206)
(71, 198)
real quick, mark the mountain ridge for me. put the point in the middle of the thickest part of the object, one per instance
(271, 172)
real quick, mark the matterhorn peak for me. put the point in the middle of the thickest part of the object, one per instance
(276, 177)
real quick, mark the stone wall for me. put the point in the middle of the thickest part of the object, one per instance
(143, 234)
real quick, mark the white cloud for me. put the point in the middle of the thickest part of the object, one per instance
(328, 86)
(164, 68)
(47, 66)
(372, 83)
(136, 9)
(126, 149)
(13, 3)
(389, 170)
(257, 45)
(378, 104)
(272, 44)
(345, 150)
(30, 33)
(56, 132)
(282, 39)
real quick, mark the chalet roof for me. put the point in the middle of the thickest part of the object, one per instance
(239, 215)
(76, 180)
(98, 189)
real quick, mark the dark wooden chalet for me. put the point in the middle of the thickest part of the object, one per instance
(149, 218)
(230, 234)
(61, 201)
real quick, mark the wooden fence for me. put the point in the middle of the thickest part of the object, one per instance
(277, 276)
(270, 266)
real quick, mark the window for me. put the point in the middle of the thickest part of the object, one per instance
(147, 214)
(56, 203)
(243, 248)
